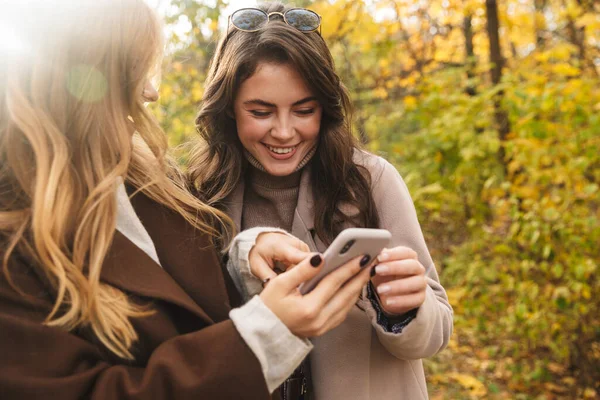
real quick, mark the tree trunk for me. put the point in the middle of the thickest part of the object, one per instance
(469, 53)
(501, 116)
(540, 24)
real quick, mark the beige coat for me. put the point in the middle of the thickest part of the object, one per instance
(359, 360)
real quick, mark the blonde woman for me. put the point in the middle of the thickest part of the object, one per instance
(110, 286)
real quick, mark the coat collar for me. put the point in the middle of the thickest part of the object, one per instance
(304, 217)
(190, 276)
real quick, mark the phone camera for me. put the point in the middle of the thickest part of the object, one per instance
(347, 246)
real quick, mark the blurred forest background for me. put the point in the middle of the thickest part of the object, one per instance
(491, 112)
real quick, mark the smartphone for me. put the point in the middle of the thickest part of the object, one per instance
(350, 243)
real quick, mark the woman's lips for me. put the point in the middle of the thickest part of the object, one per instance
(281, 153)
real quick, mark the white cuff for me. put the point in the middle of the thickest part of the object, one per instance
(278, 350)
(239, 266)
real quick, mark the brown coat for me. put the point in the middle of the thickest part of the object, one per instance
(359, 360)
(188, 349)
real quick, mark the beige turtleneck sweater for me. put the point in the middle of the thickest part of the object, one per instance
(271, 200)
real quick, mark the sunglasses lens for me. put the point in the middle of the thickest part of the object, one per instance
(249, 19)
(303, 20)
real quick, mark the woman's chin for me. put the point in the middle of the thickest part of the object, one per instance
(280, 170)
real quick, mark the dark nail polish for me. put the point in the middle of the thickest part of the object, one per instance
(373, 273)
(365, 260)
(315, 261)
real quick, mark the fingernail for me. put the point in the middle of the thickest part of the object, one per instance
(315, 261)
(372, 272)
(383, 288)
(365, 260)
(389, 302)
(383, 257)
(382, 269)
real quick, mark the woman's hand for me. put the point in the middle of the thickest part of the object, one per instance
(326, 306)
(273, 249)
(399, 280)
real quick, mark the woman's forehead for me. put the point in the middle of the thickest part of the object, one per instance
(275, 83)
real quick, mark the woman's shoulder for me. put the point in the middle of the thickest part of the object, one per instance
(378, 167)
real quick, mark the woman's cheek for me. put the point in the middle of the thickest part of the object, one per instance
(251, 129)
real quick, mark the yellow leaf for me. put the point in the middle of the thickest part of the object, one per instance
(552, 387)
(586, 293)
(565, 69)
(166, 91)
(563, 52)
(380, 93)
(197, 92)
(588, 19)
(569, 381)
(573, 10)
(470, 383)
(410, 102)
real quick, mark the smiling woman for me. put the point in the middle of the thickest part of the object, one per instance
(279, 128)
(277, 150)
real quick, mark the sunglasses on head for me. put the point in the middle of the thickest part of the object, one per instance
(253, 19)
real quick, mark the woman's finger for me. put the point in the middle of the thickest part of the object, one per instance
(261, 267)
(305, 270)
(402, 286)
(284, 248)
(404, 303)
(406, 267)
(330, 284)
(271, 247)
(397, 253)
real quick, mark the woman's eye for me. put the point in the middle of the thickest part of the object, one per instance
(306, 111)
(258, 113)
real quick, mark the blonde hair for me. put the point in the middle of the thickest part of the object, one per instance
(70, 102)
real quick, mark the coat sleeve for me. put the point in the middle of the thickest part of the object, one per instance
(430, 330)
(38, 361)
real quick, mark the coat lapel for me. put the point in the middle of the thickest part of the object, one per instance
(189, 275)
(128, 268)
(187, 256)
(303, 226)
(303, 223)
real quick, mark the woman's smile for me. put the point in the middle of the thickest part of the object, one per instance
(280, 152)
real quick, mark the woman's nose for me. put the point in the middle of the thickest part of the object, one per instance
(283, 130)
(149, 93)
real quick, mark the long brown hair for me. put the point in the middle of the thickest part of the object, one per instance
(216, 164)
(70, 101)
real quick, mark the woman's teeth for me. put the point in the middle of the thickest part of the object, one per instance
(281, 150)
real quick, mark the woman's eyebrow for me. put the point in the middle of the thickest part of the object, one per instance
(304, 100)
(260, 102)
